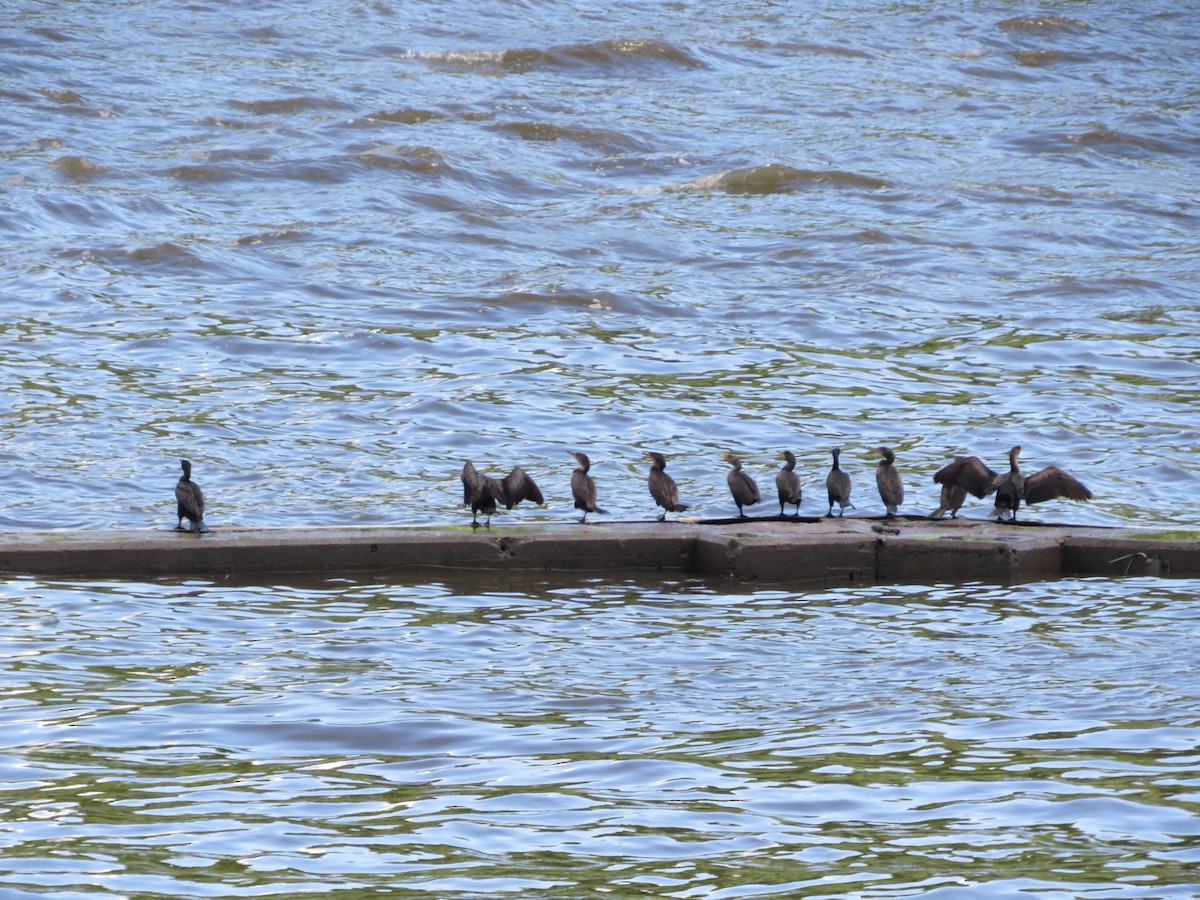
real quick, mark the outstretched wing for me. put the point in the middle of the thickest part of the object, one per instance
(1053, 482)
(970, 474)
(518, 486)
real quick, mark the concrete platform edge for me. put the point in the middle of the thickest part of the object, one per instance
(751, 552)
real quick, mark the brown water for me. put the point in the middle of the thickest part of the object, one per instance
(330, 251)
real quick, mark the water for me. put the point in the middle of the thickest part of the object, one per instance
(567, 740)
(329, 251)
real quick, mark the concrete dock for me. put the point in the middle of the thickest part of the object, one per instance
(752, 551)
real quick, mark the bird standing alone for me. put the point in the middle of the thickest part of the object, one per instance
(189, 501)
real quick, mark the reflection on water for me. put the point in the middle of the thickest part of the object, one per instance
(191, 740)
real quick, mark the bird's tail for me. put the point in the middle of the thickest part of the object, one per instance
(681, 507)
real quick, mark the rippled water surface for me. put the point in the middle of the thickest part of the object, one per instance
(673, 740)
(330, 250)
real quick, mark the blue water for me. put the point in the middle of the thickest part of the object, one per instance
(330, 252)
(567, 740)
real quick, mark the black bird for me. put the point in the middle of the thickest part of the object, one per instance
(1011, 487)
(837, 484)
(583, 487)
(662, 486)
(887, 477)
(741, 485)
(189, 501)
(787, 482)
(953, 496)
(483, 492)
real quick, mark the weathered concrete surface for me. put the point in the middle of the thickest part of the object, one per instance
(766, 551)
(1083, 555)
(745, 555)
(1001, 558)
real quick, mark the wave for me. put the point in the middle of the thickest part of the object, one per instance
(1105, 140)
(1052, 24)
(202, 174)
(615, 54)
(52, 34)
(267, 33)
(78, 168)
(532, 300)
(162, 257)
(269, 237)
(1079, 288)
(62, 97)
(212, 165)
(596, 138)
(417, 159)
(776, 178)
(286, 105)
(1104, 137)
(1037, 59)
(792, 47)
(403, 117)
(1000, 74)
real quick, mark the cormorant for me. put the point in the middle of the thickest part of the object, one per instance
(787, 482)
(741, 485)
(953, 496)
(483, 492)
(1011, 487)
(837, 483)
(583, 486)
(662, 486)
(189, 501)
(887, 477)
